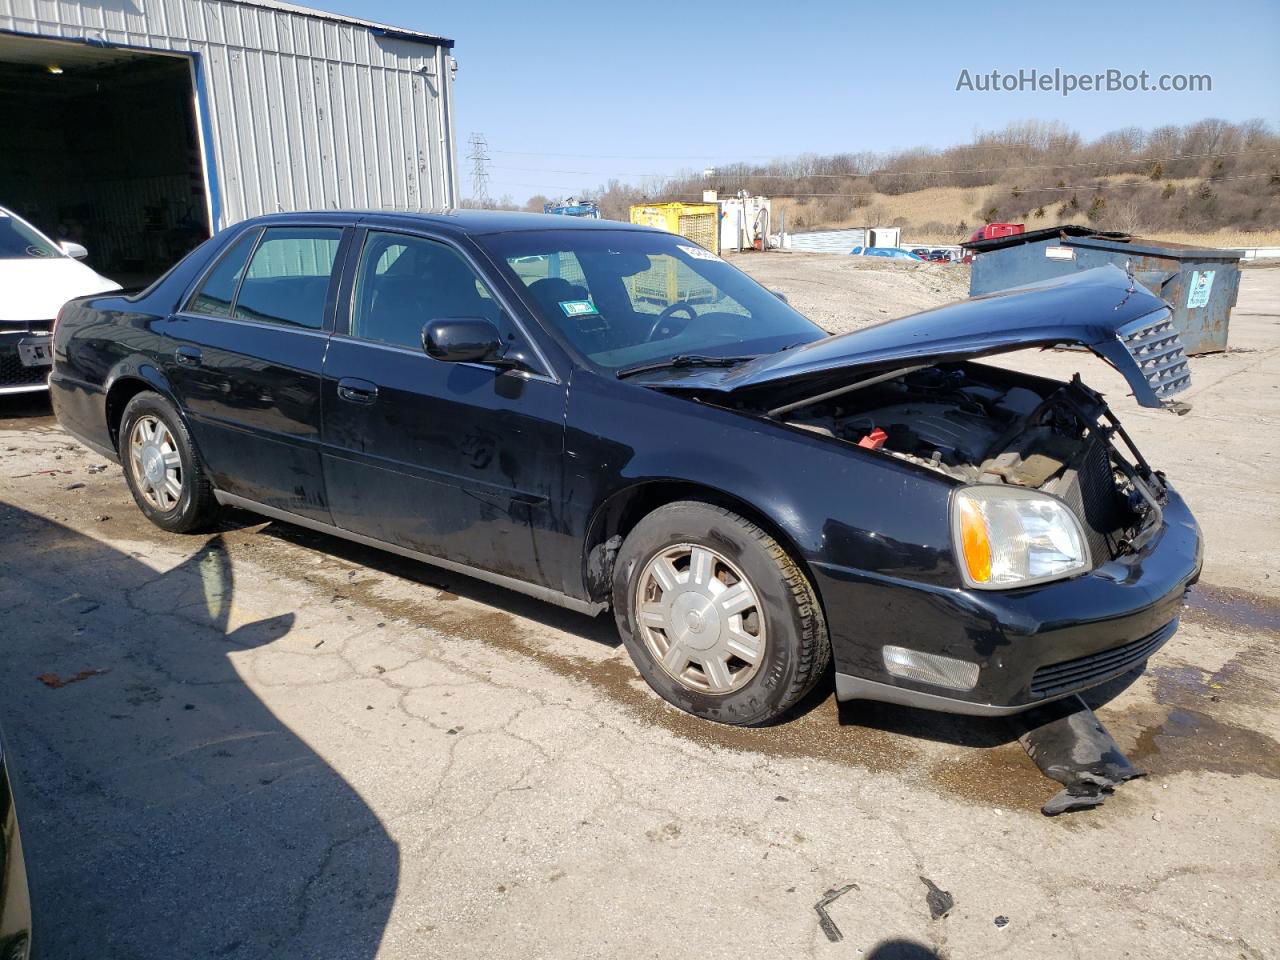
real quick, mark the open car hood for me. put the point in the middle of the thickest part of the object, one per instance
(1101, 309)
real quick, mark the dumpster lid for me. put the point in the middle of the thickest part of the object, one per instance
(1075, 235)
(1033, 236)
(1102, 309)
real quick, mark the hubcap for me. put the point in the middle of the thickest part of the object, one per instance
(701, 618)
(155, 463)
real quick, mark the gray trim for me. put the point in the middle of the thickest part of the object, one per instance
(849, 687)
(511, 583)
(25, 388)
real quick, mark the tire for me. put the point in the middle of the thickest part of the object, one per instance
(755, 668)
(177, 495)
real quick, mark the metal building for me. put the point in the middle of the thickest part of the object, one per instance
(139, 127)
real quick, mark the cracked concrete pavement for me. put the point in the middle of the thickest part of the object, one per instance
(301, 747)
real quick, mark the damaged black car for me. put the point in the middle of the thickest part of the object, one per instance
(611, 417)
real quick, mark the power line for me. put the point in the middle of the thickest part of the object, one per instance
(745, 175)
(889, 198)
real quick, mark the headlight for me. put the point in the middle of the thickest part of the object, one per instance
(1012, 537)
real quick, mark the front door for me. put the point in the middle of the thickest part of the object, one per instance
(455, 460)
(246, 357)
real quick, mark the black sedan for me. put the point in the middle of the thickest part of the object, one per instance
(607, 416)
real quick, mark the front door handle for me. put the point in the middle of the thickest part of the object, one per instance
(357, 391)
(188, 356)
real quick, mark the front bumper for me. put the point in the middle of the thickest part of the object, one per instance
(1032, 645)
(17, 374)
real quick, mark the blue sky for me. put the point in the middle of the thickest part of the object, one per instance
(624, 89)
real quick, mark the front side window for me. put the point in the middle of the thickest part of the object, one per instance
(404, 282)
(624, 297)
(288, 278)
(20, 241)
(215, 295)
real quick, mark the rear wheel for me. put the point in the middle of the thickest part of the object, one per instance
(162, 469)
(717, 617)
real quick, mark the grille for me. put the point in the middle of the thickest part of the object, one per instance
(1158, 350)
(1087, 671)
(12, 371)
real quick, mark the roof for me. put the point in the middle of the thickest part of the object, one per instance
(464, 220)
(380, 29)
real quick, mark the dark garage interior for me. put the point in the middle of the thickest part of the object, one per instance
(100, 147)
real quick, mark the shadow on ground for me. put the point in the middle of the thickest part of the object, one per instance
(166, 811)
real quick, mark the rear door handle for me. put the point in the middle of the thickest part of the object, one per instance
(190, 356)
(357, 391)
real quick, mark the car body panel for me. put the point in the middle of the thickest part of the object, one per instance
(520, 477)
(1093, 308)
(37, 289)
(452, 460)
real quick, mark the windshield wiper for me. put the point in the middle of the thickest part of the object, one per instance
(681, 360)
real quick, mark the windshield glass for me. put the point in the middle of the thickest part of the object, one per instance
(624, 297)
(19, 242)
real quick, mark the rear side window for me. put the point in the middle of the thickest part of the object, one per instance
(214, 297)
(288, 278)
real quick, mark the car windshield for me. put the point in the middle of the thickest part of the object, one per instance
(18, 241)
(625, 297)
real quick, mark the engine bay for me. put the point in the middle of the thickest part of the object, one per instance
(985, 425)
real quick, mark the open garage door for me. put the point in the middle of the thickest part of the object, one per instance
(100, 146)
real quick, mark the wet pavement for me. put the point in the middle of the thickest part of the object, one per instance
(304, 747)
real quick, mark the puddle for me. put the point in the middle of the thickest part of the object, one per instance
(1232, 608)
(1188, 739)
(1001, 776)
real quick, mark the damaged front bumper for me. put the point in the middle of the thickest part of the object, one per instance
(1032, 646)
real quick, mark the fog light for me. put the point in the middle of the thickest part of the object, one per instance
(931, 668)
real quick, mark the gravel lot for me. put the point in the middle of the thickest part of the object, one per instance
(284, 745)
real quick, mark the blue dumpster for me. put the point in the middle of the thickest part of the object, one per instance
(1199, 283)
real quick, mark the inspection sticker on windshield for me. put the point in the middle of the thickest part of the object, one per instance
(578, 308)
(697, 252)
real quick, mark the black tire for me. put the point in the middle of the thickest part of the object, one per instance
(797, 650)
(196, 507)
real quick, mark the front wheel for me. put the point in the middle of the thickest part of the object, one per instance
(165, 475)
(717, 617)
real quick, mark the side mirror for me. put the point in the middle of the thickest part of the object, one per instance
(73, 250)
(462, 340)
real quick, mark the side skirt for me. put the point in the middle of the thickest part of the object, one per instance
(534, 590)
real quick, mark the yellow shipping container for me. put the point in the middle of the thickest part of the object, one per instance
(699, 222)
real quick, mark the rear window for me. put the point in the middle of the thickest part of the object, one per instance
(18, 241)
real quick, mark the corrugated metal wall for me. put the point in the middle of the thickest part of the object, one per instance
(300, 110)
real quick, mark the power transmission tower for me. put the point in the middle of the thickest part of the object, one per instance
(479, 157)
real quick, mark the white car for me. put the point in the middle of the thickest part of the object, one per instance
(37, 276)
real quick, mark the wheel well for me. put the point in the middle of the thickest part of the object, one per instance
(619, 515)
(118, 397)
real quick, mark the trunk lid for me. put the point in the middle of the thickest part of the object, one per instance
(1102, 309)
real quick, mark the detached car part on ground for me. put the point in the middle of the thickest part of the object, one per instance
(607, 416)
(37, 276)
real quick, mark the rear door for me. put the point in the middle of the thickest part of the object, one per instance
(459, 461)
(247, 355)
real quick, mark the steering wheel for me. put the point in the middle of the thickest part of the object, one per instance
(659, 325)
